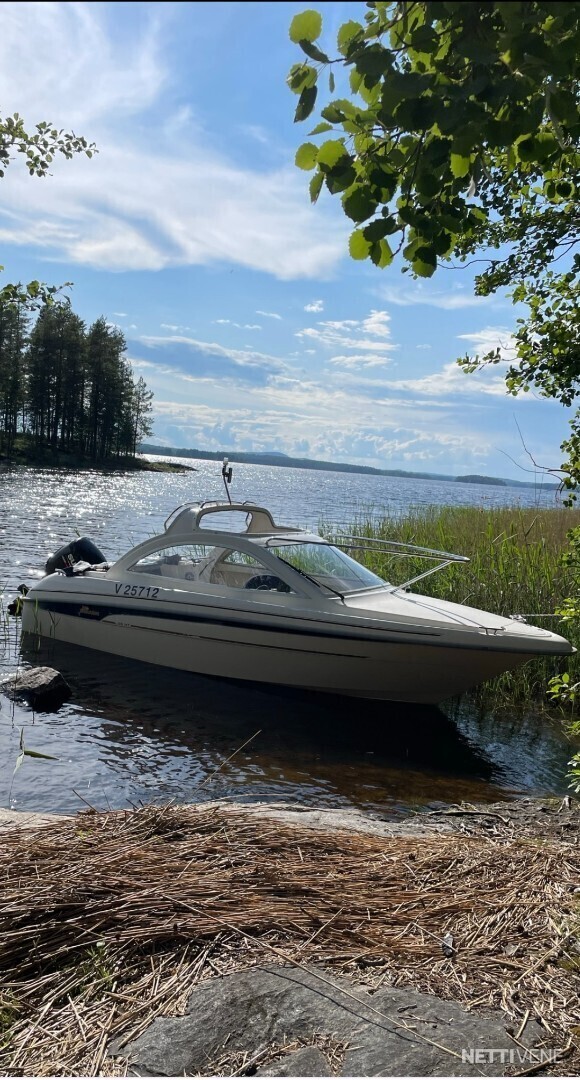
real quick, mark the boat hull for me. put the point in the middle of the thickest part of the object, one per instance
(331, 659)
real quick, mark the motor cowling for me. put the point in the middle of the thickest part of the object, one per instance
(81, 550)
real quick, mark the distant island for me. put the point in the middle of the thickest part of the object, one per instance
(475, 478)
(276, 458)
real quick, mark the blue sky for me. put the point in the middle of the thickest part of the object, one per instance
(192, 230)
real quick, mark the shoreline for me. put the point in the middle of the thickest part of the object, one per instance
(58, 461)
(523, 815)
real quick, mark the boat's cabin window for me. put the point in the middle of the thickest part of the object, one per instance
(229, 567)
(239, 570)
(182, 561)
(326, 565)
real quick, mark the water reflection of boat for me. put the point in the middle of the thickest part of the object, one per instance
(174, 739)
(272, 603)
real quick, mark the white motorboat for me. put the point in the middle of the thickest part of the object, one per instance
(273, 603)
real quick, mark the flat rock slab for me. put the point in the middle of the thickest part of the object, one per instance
(393, 1032)
(307, 1061)
(42, 687)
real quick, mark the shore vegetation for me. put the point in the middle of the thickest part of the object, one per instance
(518, 566)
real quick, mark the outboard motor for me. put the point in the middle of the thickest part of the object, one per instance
(81, 550)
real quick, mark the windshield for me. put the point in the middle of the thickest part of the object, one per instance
(327, 566)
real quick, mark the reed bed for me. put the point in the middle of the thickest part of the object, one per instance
(110, 919)
(515, 568)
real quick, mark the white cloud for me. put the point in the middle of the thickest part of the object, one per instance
(147, 200)
(121, 314)
(239, 326)
(76, 69)
(454, 299)
(173, 328)
(255, 131)
(339, 334)
(242, 357)
(357, 360)
(490, 339)
(269, 314)
(451, 380)
(340, 324)
(423, 346)
(315, 305)
(377, 324)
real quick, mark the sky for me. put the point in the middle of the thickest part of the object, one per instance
(192, 231)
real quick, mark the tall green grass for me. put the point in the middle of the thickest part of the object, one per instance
(515, 568)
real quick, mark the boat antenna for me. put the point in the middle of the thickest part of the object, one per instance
(227, 478)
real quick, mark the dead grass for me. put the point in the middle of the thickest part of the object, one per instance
(110, 919)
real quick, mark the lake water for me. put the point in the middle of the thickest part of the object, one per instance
(133, 733)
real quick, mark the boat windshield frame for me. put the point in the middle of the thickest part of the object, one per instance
(396, 548)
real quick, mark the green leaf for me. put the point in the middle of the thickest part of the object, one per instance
(424, 39)
(407, 213)
(306, 103)
(377, 230)
(359, 204)
(460, 165)
(374, 63)
(355, 79)
(424, 261)
(381, 254)
(331, 83)
(348, 33)
(37, 754)
(416, 114)
(301, 76)
(331, 152)
(306, 26)
(341, 177)
(428, 184)
(314, 52)
(545, 145)
(332, 114)
(422, 269)
(562, 104)
(442, 243)
(358, 246)
(315, 186)
(347, 107)
(525, 149)
(320, 129)
(306, 156)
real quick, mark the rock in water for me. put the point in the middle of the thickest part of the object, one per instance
(42, 687)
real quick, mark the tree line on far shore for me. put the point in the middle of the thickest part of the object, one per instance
(68, 387)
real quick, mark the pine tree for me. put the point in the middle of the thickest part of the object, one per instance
(13, 340)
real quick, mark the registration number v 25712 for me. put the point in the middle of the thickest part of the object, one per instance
(147, 592)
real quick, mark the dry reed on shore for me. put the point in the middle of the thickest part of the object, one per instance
(109, 919)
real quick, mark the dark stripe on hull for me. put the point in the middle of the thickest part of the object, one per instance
(96, 612)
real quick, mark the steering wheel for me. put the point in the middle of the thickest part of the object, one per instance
(267, 583)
